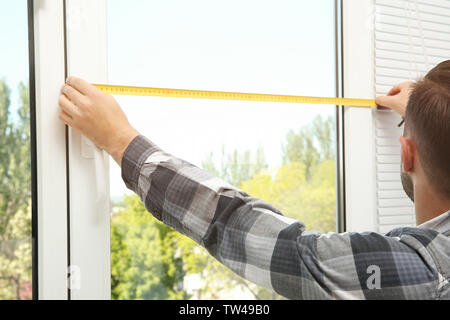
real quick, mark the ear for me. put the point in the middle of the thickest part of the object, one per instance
(408, 149)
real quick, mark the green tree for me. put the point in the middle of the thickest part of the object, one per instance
(145, 259)
(311, 145)
(311, 202)
(15, 194)
(236, 167)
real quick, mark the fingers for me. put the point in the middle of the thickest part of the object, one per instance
(395, 90)
(385, 101)
(396, 102)
(397, 96)
(80, 85)
(66, 118)
(75, 97)
(67, 106)
(399, 88)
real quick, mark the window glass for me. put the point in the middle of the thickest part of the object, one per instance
(281, 153)
(15, 154)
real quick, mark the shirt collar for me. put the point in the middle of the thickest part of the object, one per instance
(440, 223)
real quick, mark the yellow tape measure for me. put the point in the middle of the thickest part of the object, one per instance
(220, 95)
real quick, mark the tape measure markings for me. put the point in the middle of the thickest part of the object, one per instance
(222, 95)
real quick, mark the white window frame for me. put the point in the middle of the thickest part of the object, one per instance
(51, 151)
(73, 222)
(358, 73)
(89, 177)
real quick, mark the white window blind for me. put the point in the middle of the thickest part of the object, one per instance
(411, 37)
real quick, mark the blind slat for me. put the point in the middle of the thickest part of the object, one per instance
(410, 38)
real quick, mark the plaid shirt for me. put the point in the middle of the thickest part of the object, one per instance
(256, 241)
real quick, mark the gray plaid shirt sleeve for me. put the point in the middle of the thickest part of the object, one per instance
(256, 241)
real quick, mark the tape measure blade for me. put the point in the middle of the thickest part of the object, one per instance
(219, 95)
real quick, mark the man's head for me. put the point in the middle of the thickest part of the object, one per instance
(426, 141)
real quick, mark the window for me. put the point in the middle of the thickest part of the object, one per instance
(16, 236)
(284, 154)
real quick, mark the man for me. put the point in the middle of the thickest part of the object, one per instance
(256, 241)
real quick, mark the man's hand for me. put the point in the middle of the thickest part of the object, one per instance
(96, 115)
(397, 98)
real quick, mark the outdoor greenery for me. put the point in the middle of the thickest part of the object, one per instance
(15, 196)
(152, 261)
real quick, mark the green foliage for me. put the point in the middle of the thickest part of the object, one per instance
(311, 202)
(149, 259)
(311, 145)
(15, 192)
(145, 263)
(236, 167)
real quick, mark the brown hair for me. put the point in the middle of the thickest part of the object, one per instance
(427, 120)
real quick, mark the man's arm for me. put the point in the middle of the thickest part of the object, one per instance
(256, 241)
(246, 234)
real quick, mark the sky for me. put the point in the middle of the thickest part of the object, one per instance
(258, 46)
(14, 46)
